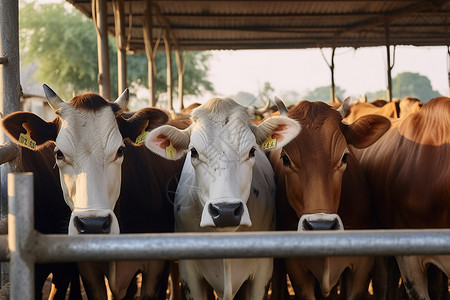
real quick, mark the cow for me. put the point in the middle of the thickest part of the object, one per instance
(320, 186)
(395, 109)
(226, 185)
(88, 141)
(408, 173)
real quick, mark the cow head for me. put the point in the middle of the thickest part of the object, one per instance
(88, 135)
(223, 145)
(313, 164)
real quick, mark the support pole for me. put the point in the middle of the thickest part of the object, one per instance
(10, 93)
(181, 67)
(150, 51)
(389, 66)
(119, 20)
(448, 68)
(331, 66)
(169, 73)
(100, 19)
(21, 235)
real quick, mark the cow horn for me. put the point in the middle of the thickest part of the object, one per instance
(261, 110)
(122, 100)
(281, 107)
(345, 106)
(53, 99)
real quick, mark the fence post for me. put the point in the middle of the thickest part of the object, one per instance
(21, 235)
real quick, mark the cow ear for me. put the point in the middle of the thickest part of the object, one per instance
(276, 132)
(366, 130)
(136, 126)
(29, 130)
(168, 142)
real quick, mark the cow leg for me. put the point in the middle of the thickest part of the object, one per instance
(93, 277)
(257, 288)
(175, 286)
(414, 276)
(279, 281)
(154, 280)
(303, 282)
(194, 287)
(357, 280)
(385, 278)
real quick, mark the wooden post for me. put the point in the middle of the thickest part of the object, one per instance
(100, 19)
(331, 66)
(181, 67)
(389, 66)
(150, 51)
(448, 68)
(169, 72)
(119, 20)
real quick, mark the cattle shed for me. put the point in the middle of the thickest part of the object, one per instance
(185, 25)
(234, 25)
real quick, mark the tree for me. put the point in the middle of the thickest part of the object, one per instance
(323, 94)
(408, 84)
(63, 42)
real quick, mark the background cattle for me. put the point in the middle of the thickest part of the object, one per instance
(408, 171)
(395, 109)
(320, 186)
(227, 185)
(86, 141)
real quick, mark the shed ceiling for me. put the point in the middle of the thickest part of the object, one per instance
(264, 24)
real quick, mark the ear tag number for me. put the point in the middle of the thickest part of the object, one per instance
(141, 137)
(171, 152)
(269, 143)
(26, 140)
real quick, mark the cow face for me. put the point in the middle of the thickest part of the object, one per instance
(88, 147)
(222, 147)
(315, 161)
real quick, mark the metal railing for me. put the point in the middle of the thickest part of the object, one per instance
(26, 246)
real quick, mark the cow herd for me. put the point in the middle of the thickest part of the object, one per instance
(99, 169)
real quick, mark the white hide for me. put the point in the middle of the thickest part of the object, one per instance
(90, 171)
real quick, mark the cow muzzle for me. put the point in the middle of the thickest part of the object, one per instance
(320, 221)
(231, 213)
(93, 222)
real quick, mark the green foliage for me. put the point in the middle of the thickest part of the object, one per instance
(323, 94)
(64, 44)
(408, 84)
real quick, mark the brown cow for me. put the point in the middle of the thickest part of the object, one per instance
(321, 187)
(395, 109)
(408, 171)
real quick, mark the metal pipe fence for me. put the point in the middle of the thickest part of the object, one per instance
(27, 246)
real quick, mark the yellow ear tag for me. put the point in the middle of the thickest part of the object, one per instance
(269, 143)
(171, 152)
(25, 139)
(141, 137)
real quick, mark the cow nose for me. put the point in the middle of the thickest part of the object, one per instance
(93, 225)
(321, 225)
(226, 214)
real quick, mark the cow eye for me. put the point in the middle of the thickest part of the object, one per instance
(120, 151)
(344, 159)
(194, 153)
(59, 155)
(252, 152)
(286, 160)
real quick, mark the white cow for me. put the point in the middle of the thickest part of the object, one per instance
(87, 136)
(227, 185)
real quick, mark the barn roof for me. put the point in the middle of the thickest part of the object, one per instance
(282, 24)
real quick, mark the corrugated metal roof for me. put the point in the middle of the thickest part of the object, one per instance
(213, 25)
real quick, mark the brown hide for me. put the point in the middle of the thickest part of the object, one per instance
(408, 171)
(318, 181)
(357, 110)
(51, 216)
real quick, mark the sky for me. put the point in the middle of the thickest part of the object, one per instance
(356, 71)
